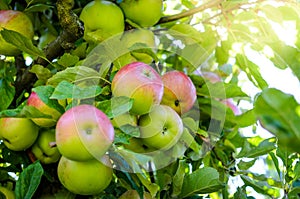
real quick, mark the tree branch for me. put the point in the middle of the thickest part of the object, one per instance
(72, 30)
(190, 12)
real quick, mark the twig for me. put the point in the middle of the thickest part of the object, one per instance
(72, 30)
(190, 12)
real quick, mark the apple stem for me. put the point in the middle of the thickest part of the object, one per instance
(52, 144)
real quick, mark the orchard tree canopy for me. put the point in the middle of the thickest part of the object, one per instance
(216, 129)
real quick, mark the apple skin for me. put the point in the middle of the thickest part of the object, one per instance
(85, 178)
(145, 13)
(42, 148)
(136, 145)
(7, 192)
(179, 91)
(141, 82)
(102, 19)
(84, 133)
(18, 134)
(133, 194)
(143, 36)
(161, 128)
(35, 101)
(16, 21)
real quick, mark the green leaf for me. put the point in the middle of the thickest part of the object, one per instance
(44, 93)
(259, 186)
(178, 178)
(277, 112)
(4, 5)
(222, 52)
(243, 165)
(7, 93)
(276, 163)
(252, 71)
(246, 119)
(76, 74)
(22, 43)
(203, 180)
(41, 72)
(29, 180)
(240, 194)
(263, 148)
(133, 131)
(272, 13)
(151, 187)
(68, 60)
(143, 48)
(67, 90)
(32, 112)
(38, 8)
(221, 90)
(115, 106)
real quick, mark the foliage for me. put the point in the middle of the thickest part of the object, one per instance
(214, 151)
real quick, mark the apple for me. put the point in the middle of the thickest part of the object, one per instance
(145, 13)
(142, 36)
(16, 21)
(133, 194)
(101, 19)
(18, 134)
(179, 91)
(161, 128)
(43, 149)
(230, 104)
(84, 132)
(9, 194)
(136, 145)
(35, 101)
(85, 178)
(140, 82)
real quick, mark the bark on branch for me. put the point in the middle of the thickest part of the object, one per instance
(72, 30)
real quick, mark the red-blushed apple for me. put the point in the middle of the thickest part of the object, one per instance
(140, 82)
(161, 128)
(83, 133)
(44, 148)
(18, 134)
(145, 13)
(35, 101)
(179, 91)
(16, 21)
(85, 178)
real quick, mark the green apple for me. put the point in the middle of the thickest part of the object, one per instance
(142, 36)
(136, 145)
(35, 101)
(18, 134)
(85, 178)
(145, 13)
(140, 82)
(179, 91)
(102, 19)
(9, 194)
(133, 194)
(84, 133)
(43, 149)
(161, 128)
(16, 21)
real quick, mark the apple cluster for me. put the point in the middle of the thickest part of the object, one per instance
(104, 20)
(159, 102)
